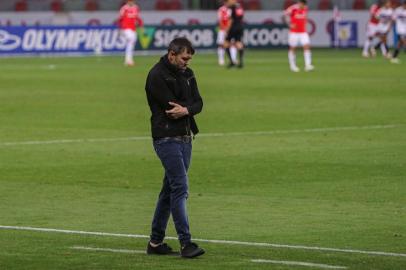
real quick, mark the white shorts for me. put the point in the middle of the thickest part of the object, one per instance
(372, 28)
(296, 39)
(400, 30)
(383, 28)
(130, 35)
(221, 37)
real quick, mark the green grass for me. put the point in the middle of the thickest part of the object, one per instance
(333, 188)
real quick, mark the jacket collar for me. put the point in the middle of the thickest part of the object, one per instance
(165, 61)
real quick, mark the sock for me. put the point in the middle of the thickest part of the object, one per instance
(366, 46)
(229, 55)
(220, 53)
(233, 52)
(241, 54)
(292, 59)
(383, 48)
(307, 58)
(377, 45)
(395, 54)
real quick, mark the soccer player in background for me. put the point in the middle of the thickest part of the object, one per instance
(400, 20)
(233, 42)
(384, 15)
(371, 30)
(223, 16)
(296, 17)
(128, 20)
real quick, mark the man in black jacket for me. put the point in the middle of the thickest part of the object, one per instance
(174, 99)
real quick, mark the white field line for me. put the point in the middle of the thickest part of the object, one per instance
(221, 134)
(128, 251)
(316, 265)
(226, 242)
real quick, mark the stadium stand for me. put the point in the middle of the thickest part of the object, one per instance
(162, 5)
(168, 5)
(359, 4)
(56, 6)
(252, 4)
(324, 5)
(21, 5)
(175, 5)
(288, 3)
(396, 3)
(91, 5)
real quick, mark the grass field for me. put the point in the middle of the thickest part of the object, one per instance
(297, 160)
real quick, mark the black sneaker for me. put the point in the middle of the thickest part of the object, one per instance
(191, 250)
(161, 249)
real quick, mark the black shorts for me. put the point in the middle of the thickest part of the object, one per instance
(235, 34)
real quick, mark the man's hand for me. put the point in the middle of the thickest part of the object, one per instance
(177, 111)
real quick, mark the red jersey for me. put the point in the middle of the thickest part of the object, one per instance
(130, 17)
(298, 18)
(373, 11)
(223, 15)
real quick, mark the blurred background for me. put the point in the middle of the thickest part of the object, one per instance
(107, 5)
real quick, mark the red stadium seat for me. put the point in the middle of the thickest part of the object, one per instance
(252, 4)
(21, 5)
(288, 3)
(359, 4)
(174, 5)
(324, 5)
(91, 5)
(395, 3)
(161, 5)
(56, 6)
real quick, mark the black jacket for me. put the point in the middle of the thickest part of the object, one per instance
(167, 83)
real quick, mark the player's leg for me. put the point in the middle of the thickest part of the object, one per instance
(129, 49)
(220, 48)
(372, 47)
(293, 42)
(240, 47)
(233, 52)
(367, 45)
(384, 46)
(305, 40)
(401, 42)
(227, 45)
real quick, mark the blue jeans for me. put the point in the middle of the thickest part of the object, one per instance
(175, 157)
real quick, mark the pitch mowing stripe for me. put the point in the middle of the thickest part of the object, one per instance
(221, 134)
(316, 265)
(128, 251)
(226, 242)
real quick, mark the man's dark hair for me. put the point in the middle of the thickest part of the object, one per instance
(178, 45)
(303, 1)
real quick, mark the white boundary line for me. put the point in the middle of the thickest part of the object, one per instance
(317, 265)
(226, 242)
(129, 251)
(225, 134)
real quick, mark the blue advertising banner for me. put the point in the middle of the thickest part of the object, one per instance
(60, 40)
(20, 40)
(346, 35)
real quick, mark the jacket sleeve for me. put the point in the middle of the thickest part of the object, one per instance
(159, 90)
(197, 105)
